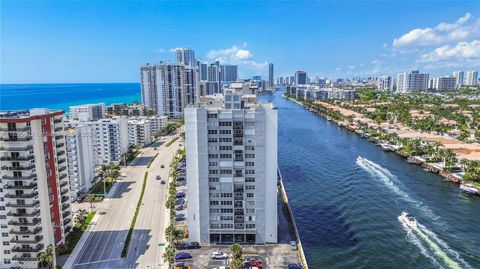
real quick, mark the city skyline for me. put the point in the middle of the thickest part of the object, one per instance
(316, 39)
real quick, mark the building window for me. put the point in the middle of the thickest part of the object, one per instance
(213, 202)
(213, 179)
(250, 187)
(226, 171)
(6, 243)
(226, 203)
(226, 195)
(250, 195)
(6, 251)
(6, 261)
(4, 234)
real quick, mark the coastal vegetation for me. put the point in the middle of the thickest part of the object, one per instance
(81, 223)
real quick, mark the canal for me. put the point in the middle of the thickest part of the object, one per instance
(347, 210)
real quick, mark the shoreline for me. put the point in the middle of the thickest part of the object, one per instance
(430, 167)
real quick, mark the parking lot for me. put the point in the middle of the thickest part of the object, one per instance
(272, 256)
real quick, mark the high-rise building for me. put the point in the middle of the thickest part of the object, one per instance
(35, 200)
(163, 88)
(231, 146)
(444, 83)
(412, 81)
(459, 78)
(472, 78)
(110, 138)
(192, 84)
(203, 68)
(228, 73)
(385, 83)
(300, 78)
(88, 112)
(213, 73)
(270, 76)
(81, 158)
(185, 56)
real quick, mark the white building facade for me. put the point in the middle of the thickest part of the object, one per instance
(472, 78)
(412, 81)
(139, 132)
(81, 158)
(35, 209)
(232, 170)
(444, 83)
(385, 83)
(88, 112)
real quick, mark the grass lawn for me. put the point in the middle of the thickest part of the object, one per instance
(74, 236)
(98, 187)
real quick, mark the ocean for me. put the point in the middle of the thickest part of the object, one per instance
(64, 95)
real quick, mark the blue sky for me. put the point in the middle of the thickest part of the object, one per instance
(107, 41)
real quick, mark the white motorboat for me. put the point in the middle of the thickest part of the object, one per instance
(469, 188)
(408, 219)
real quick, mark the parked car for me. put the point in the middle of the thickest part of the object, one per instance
(162, 166)
(217, 255)
(293, 245)
(180, 208)
(192, 245)
(295, 266)
(180, 201)
(163, 182)
(155, 148)
(158, 177)
(257, 264)
(181, 246)
(180, 194)
(179, 217)
(182, 256)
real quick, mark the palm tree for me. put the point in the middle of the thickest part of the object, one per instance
(91, 199)
(46, 258)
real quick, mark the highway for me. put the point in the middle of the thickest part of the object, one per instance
(104, 244)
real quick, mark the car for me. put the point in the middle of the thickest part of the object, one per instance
(180, 201)
(158, 177)
(257, 264)
(180, 246)
(192, 245)
(293, 245)
(155, 148)
(163, 182)
(102, 212)
(180, 194)
(217, 255)
(179, 217)
(295, 266)
(180, 207)
(182, 256)
(162, 166)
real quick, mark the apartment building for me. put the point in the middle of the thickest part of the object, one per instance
(139, 132)
(443, 83)
(81, 158)
(385, 83)
(459, 78)
(110, 138)
(231, 145)
(472, 78)
(163, 88)
(35, 207)
(412, 81)
(88, 112)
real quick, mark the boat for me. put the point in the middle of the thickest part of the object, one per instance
(360, 158)
(386, 147)
(411, 160)
(409, 220)
(469, 188)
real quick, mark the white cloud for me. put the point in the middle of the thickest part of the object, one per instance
(465, 28)
(161, 50)
(351, 67)
(460, 52)
(236, 55)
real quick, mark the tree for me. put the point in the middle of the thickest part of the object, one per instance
(170, 202)
(236, 262)
(169, 255)
(91, 200)
(173, 235)
(46, 258)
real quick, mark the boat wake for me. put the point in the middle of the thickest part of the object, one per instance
(392, 183)
(434, 248)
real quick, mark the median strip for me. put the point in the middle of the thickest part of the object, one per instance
(132, 225)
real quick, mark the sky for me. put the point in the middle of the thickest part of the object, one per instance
(107, 41)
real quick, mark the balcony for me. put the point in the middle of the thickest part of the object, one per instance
(64, 191)
(37, 248)
(65, 206)
(34, 213)
(66, 214)
(9, 167)
(19, 158)
(24, 258)
(34, 204)
(59, 145)
(16, 148)
(60, 153)
(58, 137)
(17, 129)
(65, 199)
(15, 138)
(63, 176)
(63, 168)
(29, 177)
(35, 240)
(66, 221)
(34, 222)
(37, 230)
(238, 204)
(57, 121)
(58, 129)
(21, 187)
(238, 197)
(23, 195)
